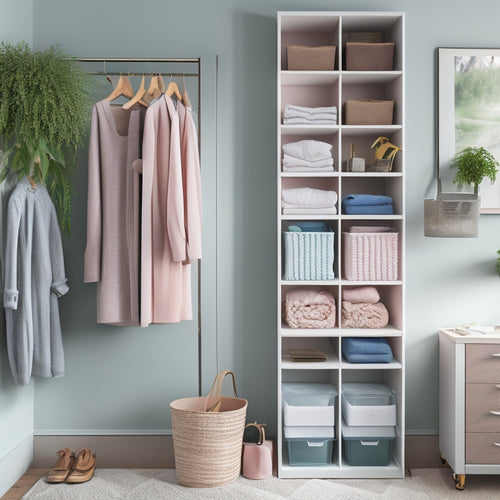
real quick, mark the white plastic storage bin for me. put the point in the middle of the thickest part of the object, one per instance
(368, 445)
(309, 431)
(365, 404)
(310, 451)
(308, 404)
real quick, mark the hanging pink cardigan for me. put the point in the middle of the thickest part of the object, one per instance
(165, 273)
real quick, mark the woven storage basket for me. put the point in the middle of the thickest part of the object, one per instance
(369, 56)
(452, 216)
(300, 57)
(368, 112)
(370, 256)
(309, 255)
(207, 445)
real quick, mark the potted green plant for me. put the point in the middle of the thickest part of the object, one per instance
(473, 165)
(44, 115)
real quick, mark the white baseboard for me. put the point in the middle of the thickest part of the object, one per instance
(15, 462)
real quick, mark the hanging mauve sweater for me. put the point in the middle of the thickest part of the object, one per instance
(34, 279)
(112, 251)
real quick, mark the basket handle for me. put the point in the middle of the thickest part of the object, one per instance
(260, 428)
(213, 398)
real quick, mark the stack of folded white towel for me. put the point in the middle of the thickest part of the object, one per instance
(307, 156)
(295, 115)
(307, 200)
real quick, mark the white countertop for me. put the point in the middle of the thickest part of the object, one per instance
(461, 335)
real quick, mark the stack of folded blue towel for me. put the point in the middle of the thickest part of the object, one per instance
(367, 204)
(309, 227)
(366, 350)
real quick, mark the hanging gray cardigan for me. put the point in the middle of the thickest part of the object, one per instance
(34, 279)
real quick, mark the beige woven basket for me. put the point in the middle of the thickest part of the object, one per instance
(208, 444)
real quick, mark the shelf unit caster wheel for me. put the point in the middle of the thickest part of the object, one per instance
(444, 461)
(459, 481)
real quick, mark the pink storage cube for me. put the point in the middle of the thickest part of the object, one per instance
(370, 256)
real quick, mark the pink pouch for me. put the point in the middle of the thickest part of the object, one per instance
(258, 457)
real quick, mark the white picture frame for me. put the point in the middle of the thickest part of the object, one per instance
(469, 113)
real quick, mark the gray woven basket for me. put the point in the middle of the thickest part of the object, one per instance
(452, 215)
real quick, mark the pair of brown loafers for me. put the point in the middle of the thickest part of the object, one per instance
(73, 467)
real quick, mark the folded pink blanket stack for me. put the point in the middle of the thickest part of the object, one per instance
(361, 308)
(306, 308)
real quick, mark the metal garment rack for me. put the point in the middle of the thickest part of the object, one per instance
(196, 61)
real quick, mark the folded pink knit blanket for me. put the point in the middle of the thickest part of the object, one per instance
(364, 315)
(306, 308)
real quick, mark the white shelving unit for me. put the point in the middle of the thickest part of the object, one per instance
(328, 88)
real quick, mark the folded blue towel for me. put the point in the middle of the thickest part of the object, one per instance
(366, 199)
(366, 345)
(367, 204)
(368, 358)
(311, 226)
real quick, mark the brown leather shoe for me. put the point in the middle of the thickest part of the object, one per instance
(83, 469)
(63, 467)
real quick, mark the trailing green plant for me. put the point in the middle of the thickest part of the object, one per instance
(473, 165)
(44, 118)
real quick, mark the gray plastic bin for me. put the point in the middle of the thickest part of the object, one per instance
(368, 445)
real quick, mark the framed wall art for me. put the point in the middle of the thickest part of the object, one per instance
(469, 113)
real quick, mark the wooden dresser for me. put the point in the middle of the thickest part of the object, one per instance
(469, 403)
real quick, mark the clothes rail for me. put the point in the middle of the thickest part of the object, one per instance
(196, 61)
(136, 60)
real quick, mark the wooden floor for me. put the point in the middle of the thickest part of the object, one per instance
(24, 484)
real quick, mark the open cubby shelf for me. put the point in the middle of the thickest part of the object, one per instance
(333, 87)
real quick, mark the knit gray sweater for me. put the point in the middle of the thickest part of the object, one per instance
(34, 279)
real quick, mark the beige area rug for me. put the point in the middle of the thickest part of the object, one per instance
(151, 484)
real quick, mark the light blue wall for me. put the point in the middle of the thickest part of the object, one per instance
(16, 403)
(449, 281)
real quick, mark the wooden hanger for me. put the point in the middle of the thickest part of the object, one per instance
(161, 84)
(123, 87)
(185, 97)
(153, 91)
(172, 89)
(138, 96)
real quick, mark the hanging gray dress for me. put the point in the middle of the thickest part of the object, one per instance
(112, 250)
(34, 279)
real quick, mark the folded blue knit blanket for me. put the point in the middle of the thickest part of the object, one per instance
(366, 345)
(367, 204)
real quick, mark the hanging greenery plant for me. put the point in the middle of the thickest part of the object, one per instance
(44, 115)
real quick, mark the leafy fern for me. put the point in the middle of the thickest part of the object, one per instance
(44, 118)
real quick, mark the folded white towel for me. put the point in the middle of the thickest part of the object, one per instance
(308, 169)
(310, 211)
(309, 150)
(308, 198)
(305, 121)
(293, 110)
(290, 161)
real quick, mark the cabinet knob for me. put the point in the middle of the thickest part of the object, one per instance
(493, 412)
(496, 355)
(496, 444)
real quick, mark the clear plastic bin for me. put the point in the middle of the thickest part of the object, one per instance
(310, 451)
(308, 404)
(365, 404)
(368, 445)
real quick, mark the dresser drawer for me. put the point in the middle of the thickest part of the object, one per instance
(482, 448)
(480, 401)
(482, 363)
